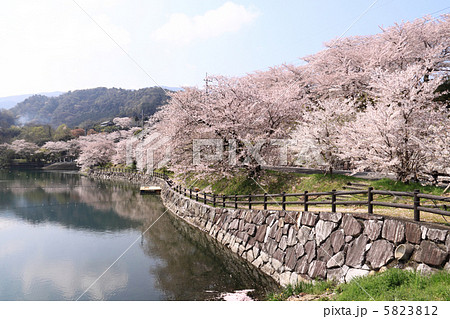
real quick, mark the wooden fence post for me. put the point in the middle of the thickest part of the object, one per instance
(306, 201)
(190, 193)
(333, 201)
(283, 201)
(265, 201)
(370, 200)
(204, 198)
(235, 202)
(196, 196)
(214, 200)
(250, 201)
(223, 200)
(416, 205)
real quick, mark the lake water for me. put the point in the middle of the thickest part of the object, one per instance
(59, 232)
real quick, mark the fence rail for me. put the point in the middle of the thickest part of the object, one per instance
(283, 200)
(307, 199)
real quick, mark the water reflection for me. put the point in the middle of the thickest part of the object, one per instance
(59, 232)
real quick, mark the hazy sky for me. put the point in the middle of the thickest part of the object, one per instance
(54, 45)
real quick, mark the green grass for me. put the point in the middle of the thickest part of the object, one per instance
(394, 284)
(386, 183)
(318, 288)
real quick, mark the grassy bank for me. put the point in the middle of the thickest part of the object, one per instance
(393, 284)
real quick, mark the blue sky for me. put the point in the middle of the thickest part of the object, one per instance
(53, 45)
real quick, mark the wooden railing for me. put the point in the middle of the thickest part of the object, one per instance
(334, 198)
(306, 199)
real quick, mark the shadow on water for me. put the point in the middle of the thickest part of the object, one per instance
(178, 261)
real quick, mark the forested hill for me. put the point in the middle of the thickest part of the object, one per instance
(86, 107)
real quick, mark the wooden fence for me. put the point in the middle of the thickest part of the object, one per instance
(306, 199)
(334, 198)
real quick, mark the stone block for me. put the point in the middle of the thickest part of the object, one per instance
(285, 279)
(431, 254)
(271, 246)
(251, 230)
(447, 266)
(437, 235)
(255, 251)
(279, 255)
(276, 263)
(283, 243)
(337, 274)
(425, 269)
(303, 235)
(257, 262)
(249, 255)
(310, 249)
(265, 257)
(332, 217)
(323, 229)
(291, 258)
(337, 260)
(241, 250)
(380, 253)
(241, 225)
(317, 269)
(309, 218)
(356, 251)
(413, 233)
(268, 269)
(291, 238)
(261, 233)
(393, 230)
(259, 218)
(353, 273)
(324, 252)
(279, 234)
(271, 219)
(372, 229)
(299, 250)
(299, 219)
(302, 265)
(350, 225)
(272, 230)
(337, 240)
(447, 243)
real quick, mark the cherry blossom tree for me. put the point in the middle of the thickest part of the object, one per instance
(60, 149)
(245, 114)
(123, 122)
(345, 67)
(122, 139)
(398, 133)
(95, 149)
(23, 148)
(317, 134)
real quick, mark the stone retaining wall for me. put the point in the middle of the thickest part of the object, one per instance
(292, 246)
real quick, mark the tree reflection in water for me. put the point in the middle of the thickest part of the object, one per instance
(185, 262)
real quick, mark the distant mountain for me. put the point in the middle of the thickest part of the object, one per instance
(10, 101)
(87, 107)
